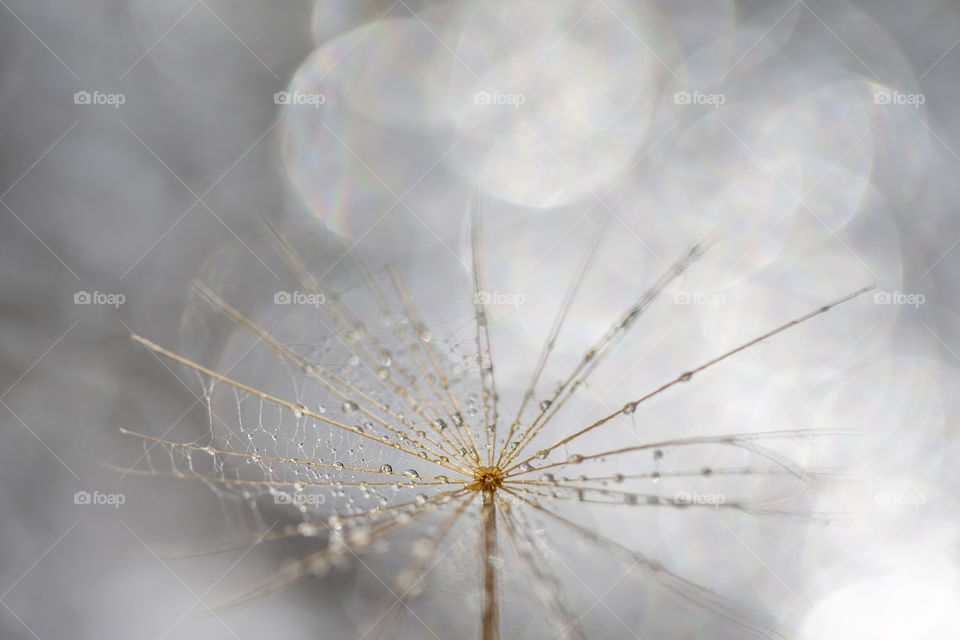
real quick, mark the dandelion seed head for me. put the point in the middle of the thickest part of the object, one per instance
(489, 456)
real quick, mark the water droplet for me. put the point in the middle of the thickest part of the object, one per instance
(425, 335)
(338, 465)
(299, 410)
(548, 477)
(354, 361)
(360, 536)
(209, 450)
(386, 469)
(618, 477)
(629, 408)
(385, 358)
(307, 529)
(411, 473)
(686, 376)
(575, 458)
(542, 454)
(421, 499)
(458, 419)
(657, 454)
(440, 424)
(706, 471)
(382, 373)
(525, 467)
(655, 476)
(496, 561)
(443, 479)
(349, 406)
(544, 405)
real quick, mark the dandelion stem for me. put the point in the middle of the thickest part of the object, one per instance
(490, 615)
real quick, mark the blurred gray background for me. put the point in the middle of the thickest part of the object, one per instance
(129, 200)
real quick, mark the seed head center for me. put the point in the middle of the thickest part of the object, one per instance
(488, 478)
